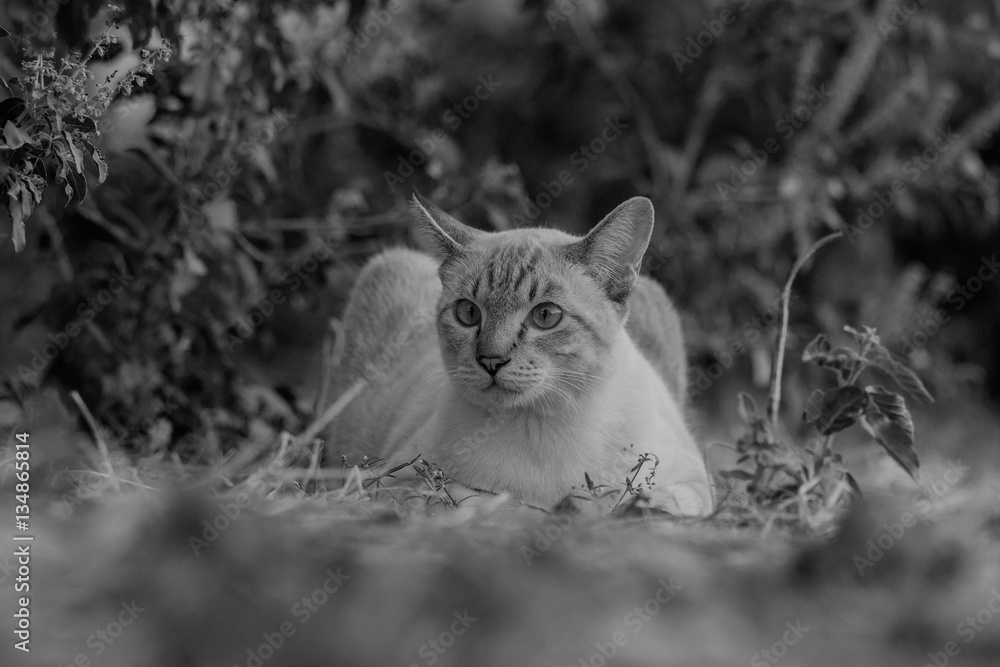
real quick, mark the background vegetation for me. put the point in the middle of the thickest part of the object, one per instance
(279, 130)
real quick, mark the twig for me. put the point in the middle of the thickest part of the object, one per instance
(779, 357)
(629, 488)
(972, 134)
(317, 454)
(584, 32)
(331, 412)
(854, 70)
(102, 445)
(333, 352)
(806, 70)
(65, 267)
(709, 99)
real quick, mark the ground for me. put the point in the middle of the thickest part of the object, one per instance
(163, 565)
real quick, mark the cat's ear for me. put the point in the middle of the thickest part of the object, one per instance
(439, 234)
(613, 250)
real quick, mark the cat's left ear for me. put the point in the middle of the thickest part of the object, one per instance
(613, 250)
(438, 233)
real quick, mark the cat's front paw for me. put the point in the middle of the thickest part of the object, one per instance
(685, 499)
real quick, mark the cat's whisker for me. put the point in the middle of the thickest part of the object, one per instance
(569, 398)
(577, 384)
(437, 378)
(565, 372)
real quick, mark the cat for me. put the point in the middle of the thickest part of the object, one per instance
(520, 360)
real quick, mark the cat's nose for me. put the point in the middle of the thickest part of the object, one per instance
(492, 364)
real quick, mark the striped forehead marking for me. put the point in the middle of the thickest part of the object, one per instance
(508, 269)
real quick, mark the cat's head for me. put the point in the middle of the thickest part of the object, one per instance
(527, 317)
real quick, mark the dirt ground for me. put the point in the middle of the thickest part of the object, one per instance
(146, 567)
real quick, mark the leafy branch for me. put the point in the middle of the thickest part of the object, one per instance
(881, 412)
(51, 125)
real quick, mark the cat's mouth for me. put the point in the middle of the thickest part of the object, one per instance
(499, 386)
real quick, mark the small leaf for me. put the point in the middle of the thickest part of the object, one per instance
(75, 151)
(78, 183)
(747, 407)
(893, 407)
(892, 438)
(902, 374)
(14, 137)
(841, 361)
(33, 189)
(102, 166)
(817, 350)
(737, 474)
(88, 125)
(10, 109)
(858, 336)
(836, 409)
(868, 335)
(17, 218)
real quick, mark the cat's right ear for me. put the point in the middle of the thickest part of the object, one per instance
(612, 251)
(439, 234)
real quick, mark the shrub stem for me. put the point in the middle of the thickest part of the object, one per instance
(779, 357)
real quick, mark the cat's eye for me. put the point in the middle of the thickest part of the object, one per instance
(546, 315)
(467, 313)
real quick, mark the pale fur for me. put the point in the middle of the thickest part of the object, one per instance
(423, 395)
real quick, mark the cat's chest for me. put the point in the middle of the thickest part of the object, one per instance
(535, 460)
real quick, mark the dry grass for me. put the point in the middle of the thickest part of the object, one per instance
(536, 600)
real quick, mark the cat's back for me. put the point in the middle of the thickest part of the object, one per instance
(655, 327)
(390, 344)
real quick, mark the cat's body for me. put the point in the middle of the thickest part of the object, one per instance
(510, 403)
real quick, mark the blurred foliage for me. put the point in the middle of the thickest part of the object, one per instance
(287, 135)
